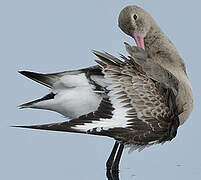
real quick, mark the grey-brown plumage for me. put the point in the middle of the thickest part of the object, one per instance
(136, 109)
(161, 50)
(138, 100)
(151, 113)
(152, 68)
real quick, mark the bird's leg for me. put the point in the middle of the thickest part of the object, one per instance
(112, 155)
(112, 176)
(109, 175)
(115, 165)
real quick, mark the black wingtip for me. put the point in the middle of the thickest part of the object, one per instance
(63, 126)
(25, 73)
(32, 75)
(43, 79)
(26, 105)
(30, 127)
(40, 127)
(24, 127)
(21, 106)
(21, 72)
(29, 74)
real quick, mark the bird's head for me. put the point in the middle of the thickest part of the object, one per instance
(135, 22)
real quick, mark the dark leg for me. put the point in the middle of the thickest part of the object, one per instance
(115, 166)
(109, 175)
(111, 157)
(112, 176)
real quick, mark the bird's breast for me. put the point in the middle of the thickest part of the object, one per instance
(184, 99)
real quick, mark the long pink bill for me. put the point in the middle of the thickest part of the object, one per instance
(139, 39)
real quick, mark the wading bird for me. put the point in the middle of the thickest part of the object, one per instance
(138, 100)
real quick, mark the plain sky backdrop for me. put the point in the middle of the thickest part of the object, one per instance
(52, 36)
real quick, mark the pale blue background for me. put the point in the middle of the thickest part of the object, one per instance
(52, 36)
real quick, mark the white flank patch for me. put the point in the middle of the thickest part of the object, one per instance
(74, 97)
(118, 119)
(69, 81)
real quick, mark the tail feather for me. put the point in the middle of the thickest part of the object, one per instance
(44, 79)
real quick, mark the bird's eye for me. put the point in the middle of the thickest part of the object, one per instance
(135, 16)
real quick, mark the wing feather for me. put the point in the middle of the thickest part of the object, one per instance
(135, 109)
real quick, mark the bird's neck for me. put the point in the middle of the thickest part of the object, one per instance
(161, 49)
